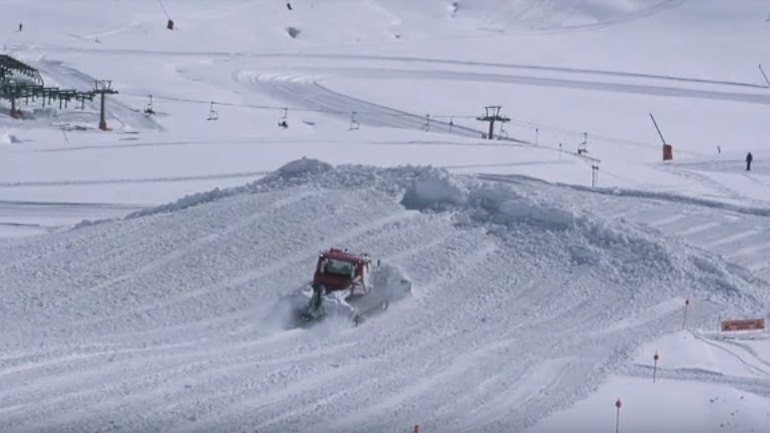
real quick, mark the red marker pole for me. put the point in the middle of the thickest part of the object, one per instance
(618, 404)
(655, 367)
(686, 306)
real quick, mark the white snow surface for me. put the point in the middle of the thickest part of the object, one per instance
(520, 306)
(142, 268)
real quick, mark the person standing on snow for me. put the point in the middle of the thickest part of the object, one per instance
(749, 158)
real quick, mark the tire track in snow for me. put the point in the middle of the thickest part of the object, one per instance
(283, 414)
(712, 184)
(754, 385)
(333, 394)
(201, 242)
(287, 261)
(748, 349)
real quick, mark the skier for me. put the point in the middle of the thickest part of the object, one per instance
(288, 6)
(749, 158)
(21, 26)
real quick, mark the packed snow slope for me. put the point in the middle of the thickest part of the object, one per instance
(165, 321)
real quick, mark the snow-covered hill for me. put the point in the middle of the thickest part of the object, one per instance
(141, 269)
(522, 303)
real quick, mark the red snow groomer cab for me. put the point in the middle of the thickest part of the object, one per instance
(339, 270)
(339, 276)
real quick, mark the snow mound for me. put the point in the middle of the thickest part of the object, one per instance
(185, 202)
(489, 270)
(625, 252)
(433, 190)
(304, 168)
(306, 172)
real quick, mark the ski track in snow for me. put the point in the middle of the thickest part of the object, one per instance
(746, 357)
(753, 385)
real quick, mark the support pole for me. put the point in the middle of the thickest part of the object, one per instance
(492, 115)
(102, 120)
(583, 147)
(684, 318)
(103, 88)
(14, 114)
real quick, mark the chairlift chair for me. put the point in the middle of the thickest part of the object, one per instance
(283, 121)
(213, 115)
(354, 125)
(503, 133)
(148, 110)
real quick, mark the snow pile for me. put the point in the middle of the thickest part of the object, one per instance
(627, 252)
(300, 170)
(434, 190)
(184, 202)
(495, 268)
(306, 172)
(500, 204)
(293, 173)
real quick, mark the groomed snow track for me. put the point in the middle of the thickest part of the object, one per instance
(159, 322)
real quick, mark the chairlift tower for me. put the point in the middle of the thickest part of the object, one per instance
(492, 115)
(102, 88)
